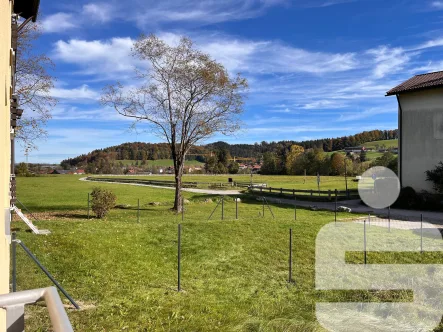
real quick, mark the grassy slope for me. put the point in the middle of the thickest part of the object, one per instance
(277, 181)
(392, 143)
(162, 162)
(234, 272)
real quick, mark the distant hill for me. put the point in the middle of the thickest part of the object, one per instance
(384, 144)
(141, 153)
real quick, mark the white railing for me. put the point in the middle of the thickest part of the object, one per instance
(14, 304)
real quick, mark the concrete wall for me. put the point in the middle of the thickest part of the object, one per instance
(421, 136)
(5, 144)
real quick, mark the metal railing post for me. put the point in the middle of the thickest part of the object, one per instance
(30, 254)
(236, 208)
(389, 218)
(364, 241)
(295, 208)
(179, 259)
(263, 206)
(223, 208)
(88, 205)
(290, 256)
(421, 233)
(14, 262)
(336, 206)
(183, 208)
(138, 210)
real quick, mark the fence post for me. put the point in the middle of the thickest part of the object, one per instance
(293, 193)
(223, 207)
(336, 206)
(263, 206)
(369, 218)
(88, 205)
(312, 193)
(14, 262)
(183, 208)
(421, 233)
(281, 191)
(36, 261)
(290, 256)
(364, 241)
(179, 258)
(389, 218)
(236, 208)
(329, 194)
(295, 208)
(138, 210)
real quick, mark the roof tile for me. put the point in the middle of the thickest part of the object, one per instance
(418, 82)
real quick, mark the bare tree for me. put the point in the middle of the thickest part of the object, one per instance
(33, 84)
(184, 94)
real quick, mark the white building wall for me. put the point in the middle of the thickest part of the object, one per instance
(421, 136)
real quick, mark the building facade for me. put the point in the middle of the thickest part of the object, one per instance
(12, 14)
(6, 11)
(420, 124)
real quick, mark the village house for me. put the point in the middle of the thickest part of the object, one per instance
(420, 125)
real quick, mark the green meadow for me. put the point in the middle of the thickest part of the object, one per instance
(123, 272)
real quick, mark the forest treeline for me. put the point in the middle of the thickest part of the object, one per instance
(101, 159)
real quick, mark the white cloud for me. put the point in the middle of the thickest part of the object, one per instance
(100, 57)
(294, 129)
(83, 92)
(59, 22)
(388, 60)
(431, 66)
(429, 44)
(437, 4)
(268, 56)
(323, 104)
(102, 12)
(371, 112)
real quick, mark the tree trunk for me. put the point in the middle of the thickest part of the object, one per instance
(178, 186)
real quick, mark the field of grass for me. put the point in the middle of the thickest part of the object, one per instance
(275, 181)
(391, 143)
(162, 162)
(234, 272)
(370, 155)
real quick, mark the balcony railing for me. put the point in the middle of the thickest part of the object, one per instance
(14, 304)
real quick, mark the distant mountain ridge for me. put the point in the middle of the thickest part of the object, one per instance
(154, 151)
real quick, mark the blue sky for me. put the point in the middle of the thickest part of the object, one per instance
(316, 68)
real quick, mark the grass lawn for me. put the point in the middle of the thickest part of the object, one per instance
(391, 143)
(161, 162)
(234, 272)
(277, 181)
(370, 155)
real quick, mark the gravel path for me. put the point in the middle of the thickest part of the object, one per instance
(191, 190)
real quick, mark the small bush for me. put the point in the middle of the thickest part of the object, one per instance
(407, 198)
(436, 177)
(103, 200)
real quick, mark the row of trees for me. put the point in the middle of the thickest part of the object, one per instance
(326, 144)
(220, 163)
(312, 161)
(154, 151)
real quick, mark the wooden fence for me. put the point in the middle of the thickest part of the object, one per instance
(160, 182)
(330, 194)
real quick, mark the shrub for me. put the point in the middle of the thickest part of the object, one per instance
(407, 198)
(102, 201)
(436, 177)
